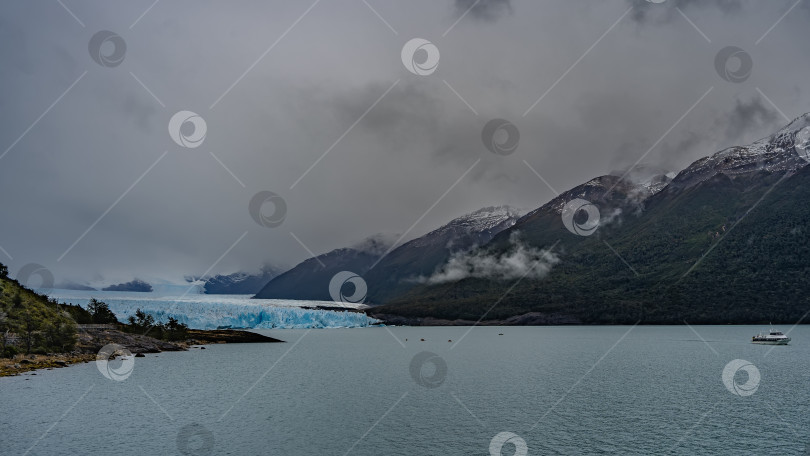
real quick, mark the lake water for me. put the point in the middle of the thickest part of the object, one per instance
(562, 390)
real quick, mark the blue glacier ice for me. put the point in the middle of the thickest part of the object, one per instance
(200, 311)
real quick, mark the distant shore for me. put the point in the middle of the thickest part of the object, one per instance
(527, 319)
(91, 340)
(549, 319)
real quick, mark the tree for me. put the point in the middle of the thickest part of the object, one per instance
(30, 325)
(3, 330)
(61, 334)
(142, 319)
(3, 271)
(175, 329)
(100, 312)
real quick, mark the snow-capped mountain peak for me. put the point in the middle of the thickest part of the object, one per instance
(376, 244)
(486, 221)
(787, 150)
(486, 218)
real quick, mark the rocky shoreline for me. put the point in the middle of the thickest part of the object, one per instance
(91, 340)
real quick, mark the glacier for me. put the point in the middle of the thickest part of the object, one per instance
(200, 311)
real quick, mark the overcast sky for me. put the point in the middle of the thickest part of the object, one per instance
(94, 187)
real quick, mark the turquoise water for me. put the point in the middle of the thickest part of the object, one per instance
(562, 390)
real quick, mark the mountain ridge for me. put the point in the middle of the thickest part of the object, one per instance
(310, 279)
(655, 258)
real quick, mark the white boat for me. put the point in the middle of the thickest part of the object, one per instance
(772, 337)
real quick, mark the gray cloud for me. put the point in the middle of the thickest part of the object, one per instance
(750, 115)
(519, 261)
(488, 10)
(376, 244)
(646, 11)
(296, 102)
(143, 113)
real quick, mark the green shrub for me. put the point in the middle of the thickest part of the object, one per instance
(100, 312)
